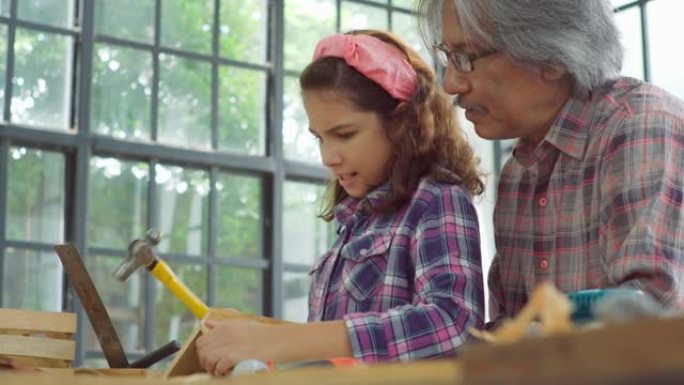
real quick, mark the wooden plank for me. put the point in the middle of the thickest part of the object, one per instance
(38, 362)
(34, 333)
(186, 361)
(637, 353)
(431, 372)
(41, 321)
(37, 347)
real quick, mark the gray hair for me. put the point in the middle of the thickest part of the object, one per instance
(580, 36)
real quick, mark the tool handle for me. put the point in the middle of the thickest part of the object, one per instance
(164, 274)
(156, 355)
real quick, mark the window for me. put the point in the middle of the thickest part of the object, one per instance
(650, 29)
(184, 115)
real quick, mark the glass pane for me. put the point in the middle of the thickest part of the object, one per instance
(42, 79)
(187, 25)
(360, 16)
(242, 110)
(243, 30)
(629, 24)
(118, 202)
(306, 22)
(183, 199)
(296, 294)
(5, 8)
(23, 269)
(239, 216)
(239, 289)
(665, 31)
(123, 300)
(122, 89)
(298, 143)
(184, 101)
(407, 4)
(305, 236)
(35, 199)
(55, 12)
(405, 26)
(126, 19)
(173, 321)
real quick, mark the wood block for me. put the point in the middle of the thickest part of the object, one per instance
(37, 347)
(37, 338)
(637, 353)
(186, 361)
(17, 321)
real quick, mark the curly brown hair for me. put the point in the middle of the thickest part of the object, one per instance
(423, 132)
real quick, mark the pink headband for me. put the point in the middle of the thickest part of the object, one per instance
(377, 60)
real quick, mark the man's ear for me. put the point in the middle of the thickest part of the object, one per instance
(552, 72)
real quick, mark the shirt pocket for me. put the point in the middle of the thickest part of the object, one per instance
(365, 265)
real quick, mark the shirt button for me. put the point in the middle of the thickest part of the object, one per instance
(543, 202)
(544, 264)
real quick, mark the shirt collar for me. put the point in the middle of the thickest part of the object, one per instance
(568, 133)
(350, 207)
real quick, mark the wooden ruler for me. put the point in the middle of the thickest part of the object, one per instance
(93, 306)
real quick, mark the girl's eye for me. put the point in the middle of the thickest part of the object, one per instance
(346, 135)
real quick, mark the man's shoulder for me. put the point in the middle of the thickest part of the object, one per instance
(627, 97)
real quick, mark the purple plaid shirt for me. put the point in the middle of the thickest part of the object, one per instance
(407, 284)
(598, 203)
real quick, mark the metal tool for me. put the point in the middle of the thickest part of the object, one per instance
(99, 318)
(141, 254)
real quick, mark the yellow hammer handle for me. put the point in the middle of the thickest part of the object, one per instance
(163, 273)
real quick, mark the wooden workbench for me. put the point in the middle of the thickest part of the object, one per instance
(646, 352)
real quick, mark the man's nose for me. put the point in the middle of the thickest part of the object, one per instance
(455, 82)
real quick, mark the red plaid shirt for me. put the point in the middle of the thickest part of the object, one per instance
(598, 203)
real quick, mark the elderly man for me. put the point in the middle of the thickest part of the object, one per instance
(593, 194)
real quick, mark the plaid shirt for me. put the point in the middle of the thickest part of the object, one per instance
(407, 284)
(598, 203)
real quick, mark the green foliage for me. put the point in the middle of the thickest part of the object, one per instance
(187, 24)
(121, 92)
(239, 217)
(243, 30)
(55, 12)
(35, 198)
(117, 202)
(40, 80)
(306, 22)
(127, 19)
(183, 207)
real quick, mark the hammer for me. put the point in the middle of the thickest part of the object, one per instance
(141, 253)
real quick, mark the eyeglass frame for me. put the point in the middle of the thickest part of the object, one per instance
(463, 62)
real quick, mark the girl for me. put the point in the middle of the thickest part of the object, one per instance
(403, 280)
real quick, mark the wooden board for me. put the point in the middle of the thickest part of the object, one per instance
(433, 372)
(15, 321)
(37, 347)
(645, 352)
(186, 361)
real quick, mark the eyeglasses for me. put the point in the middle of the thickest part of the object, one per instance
(461, 60)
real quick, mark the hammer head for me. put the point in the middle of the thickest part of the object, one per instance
(140, 254)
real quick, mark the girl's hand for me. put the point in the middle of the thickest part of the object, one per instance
(223, 344)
